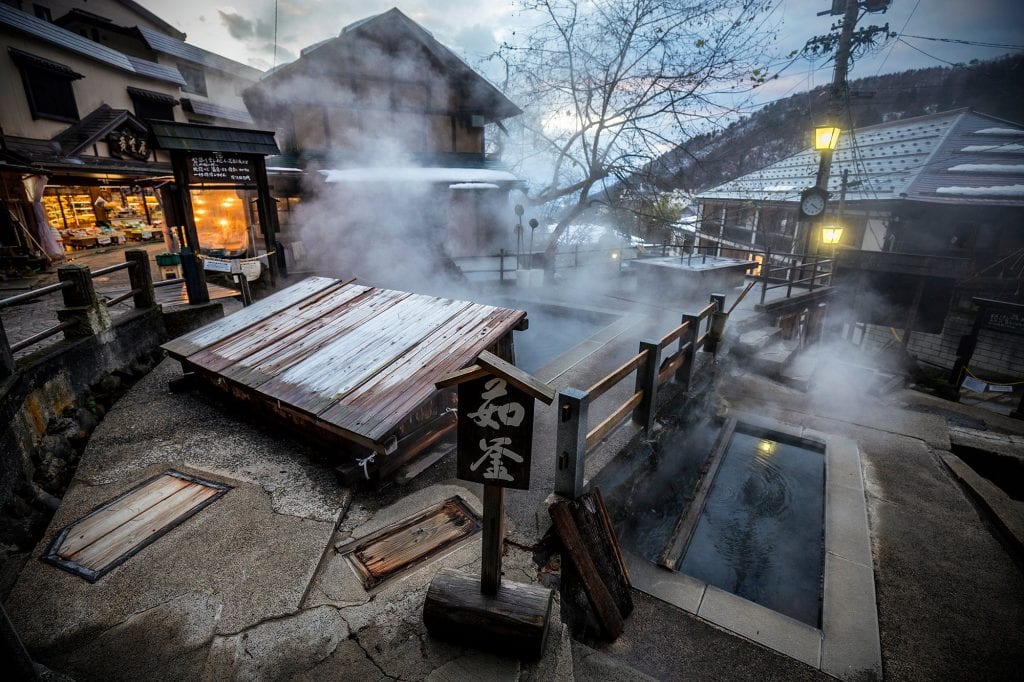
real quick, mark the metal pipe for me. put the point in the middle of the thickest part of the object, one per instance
(35, 293)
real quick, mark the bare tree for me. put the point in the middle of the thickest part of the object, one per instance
(609, 86)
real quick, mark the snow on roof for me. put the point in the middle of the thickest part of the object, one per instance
(988, 168)
(999, 131)
(905, 160)
(417, 174)
(994, 148)
(998, 191)
(473, 185)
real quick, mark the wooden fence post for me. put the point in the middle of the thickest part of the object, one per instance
(687, 351)
(140, 277)
(571, 442)
(81, 304)
(647, 381)
(7, 365)
(716, 324)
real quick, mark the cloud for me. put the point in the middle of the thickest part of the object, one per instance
(243, 29)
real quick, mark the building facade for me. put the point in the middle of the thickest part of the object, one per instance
(939, 199)
(83, 77)
(389, 126)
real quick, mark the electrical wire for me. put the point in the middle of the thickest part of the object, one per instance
(905, 23)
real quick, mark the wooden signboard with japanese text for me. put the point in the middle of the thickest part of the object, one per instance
(1004, 319)
(216, 168)
(495, 433)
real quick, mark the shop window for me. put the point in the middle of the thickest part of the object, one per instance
(47, 86)
(149, 104)
(195, 79)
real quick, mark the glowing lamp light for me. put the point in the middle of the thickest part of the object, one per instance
(831, 234)
(615, 255)
(766, 447)
(826, 138)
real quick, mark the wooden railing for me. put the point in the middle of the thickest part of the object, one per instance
(651, 367)
(84, 313)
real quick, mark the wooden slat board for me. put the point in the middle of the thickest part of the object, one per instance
(349, 359)
(118, 529)
(403, 545)
(221, 329)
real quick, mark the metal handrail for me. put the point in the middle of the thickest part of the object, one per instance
(110, 268)
(45, 334)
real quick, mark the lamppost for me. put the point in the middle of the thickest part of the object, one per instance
(519, 235)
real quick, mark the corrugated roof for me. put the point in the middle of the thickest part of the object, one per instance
(23, 58)
(215, 110)
(197, 137)
(344, 357)
(165, 44)
(34, 27)
(957, 157)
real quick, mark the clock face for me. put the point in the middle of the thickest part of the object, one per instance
(812, 204)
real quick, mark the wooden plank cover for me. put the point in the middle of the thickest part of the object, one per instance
(352, 361)
(118, 529)
(400, 546)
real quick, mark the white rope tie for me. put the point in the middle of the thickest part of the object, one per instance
(364, 462)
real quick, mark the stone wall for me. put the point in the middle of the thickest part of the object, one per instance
(49, 407)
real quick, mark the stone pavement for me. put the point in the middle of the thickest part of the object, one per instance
(252, 587)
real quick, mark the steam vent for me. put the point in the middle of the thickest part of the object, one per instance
(350, 364)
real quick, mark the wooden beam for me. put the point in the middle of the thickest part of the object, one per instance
(459, 376)
(517, 377)
(600, 598)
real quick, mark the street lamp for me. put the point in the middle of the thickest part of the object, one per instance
(826, 138)
(831, 235)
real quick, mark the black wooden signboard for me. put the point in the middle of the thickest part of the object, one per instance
(495, 433)
(216, 168)
(1007, 319)
(127, 143)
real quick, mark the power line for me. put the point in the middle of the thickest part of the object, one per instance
(905, 24)
(965, 42)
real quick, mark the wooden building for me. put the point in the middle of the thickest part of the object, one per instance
(80, 79)
(385, 115)
(934, 201)
(350, 365)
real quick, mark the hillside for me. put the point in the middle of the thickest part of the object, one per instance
(783, 127)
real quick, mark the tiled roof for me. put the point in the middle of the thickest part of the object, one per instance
(165, 44)
(203, 138)
(959, 156)
(216, 111)
(392, 28)
(39, 29)
(23, 58)
(79, 135)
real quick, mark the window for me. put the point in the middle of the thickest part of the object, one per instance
(47, 86)
(195, 79)
(42, 12)
(149, 104)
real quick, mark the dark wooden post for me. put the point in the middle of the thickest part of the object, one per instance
(716, 324)
(493, 539)
(687, 350)
(195, 278)
(647, 381)
(81, 305)
(268, 214)
(7, 365)
(141, 277)
(571, 442)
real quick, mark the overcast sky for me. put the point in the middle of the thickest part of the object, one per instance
(244, 30)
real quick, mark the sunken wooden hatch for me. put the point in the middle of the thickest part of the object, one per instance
(351, 365)
(407, 544)
(118, 529)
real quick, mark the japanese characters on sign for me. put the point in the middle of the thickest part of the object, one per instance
(495, 433)
(218, 168)
(1009, 320)
(128, 143)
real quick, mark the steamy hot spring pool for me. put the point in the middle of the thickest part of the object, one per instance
(742, 509)
(760, 534)
(554, 330)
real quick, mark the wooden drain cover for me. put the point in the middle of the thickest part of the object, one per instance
(406, 544)
(113, 532)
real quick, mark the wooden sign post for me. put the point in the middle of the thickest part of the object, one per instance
(495, 439)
